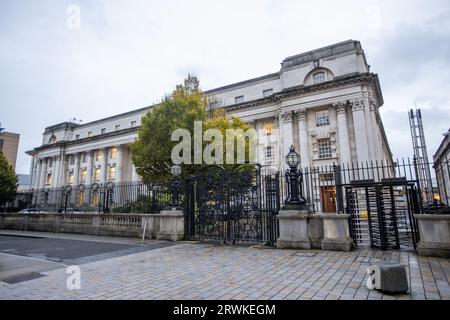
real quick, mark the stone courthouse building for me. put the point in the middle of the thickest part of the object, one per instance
(324, 102)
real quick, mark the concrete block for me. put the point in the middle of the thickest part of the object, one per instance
(388, 277)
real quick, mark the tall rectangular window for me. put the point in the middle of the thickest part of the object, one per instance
(268, 128)
(322, 118)
(112, 173)
(267, 93)
(48, 180)
(70, 177)
(83, 175)
(1, 144)
(97, 173)
(324, 148)
(72, 159)
(239, 99)
(50, 162)
(84, 156)
(268, 155)
(98, 155)
(113, 153)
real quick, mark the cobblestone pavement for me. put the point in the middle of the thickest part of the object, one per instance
(203, 271)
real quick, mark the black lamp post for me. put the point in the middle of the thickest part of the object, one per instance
(68, 192)
(294, 179)
(175, 187)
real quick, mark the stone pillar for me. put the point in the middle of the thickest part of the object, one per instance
(76, 170)
(359, 123)
(37, 173)
(378, 145)
(55, 172)
(286, 133)
(43, 173)
(119, 159)
(344, 142)
(434, 232)
(294, 233)
(90, 159)
(171, 225)
(369, 128)
(303, 138)
(134, 175)
(104, 177)
(336, 232)
(64, 166)
(261, 141)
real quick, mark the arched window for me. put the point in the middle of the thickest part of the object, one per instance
(319, 77)
(53, 139)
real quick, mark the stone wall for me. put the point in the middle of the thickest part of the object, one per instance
(120, 225)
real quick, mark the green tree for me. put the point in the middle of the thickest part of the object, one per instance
(152, 149)
(8, 180)
(151, 153)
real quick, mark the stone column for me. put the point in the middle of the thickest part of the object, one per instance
(359, 123)
(76, 170)
(43, 173)
(37, 173)
(104, 177)
(64, 166)
(376, 129)
(344, 142)
(303, 138)
(90, 159)
(119, 156)
(286, 133)
(134, 175)
(55, 175)
(261, 140)
(369, 127)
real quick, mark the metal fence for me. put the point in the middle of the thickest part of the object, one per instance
(322, 187)
(125, 197)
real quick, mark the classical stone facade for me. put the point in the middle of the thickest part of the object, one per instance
(442, 167)
(324, 102)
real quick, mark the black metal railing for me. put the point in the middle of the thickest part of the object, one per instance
(322, 187)
(125, 197)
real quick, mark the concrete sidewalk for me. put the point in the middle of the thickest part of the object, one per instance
(202, 271)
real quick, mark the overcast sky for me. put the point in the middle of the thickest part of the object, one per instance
(127, 54)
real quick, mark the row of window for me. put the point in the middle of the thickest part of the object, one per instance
(84, 157)
(322, 120)
(317, 78)
(111, 175)
(324, 149)
(266, 93)
(103, 130)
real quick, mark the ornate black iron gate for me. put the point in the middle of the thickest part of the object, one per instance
(237, 206)
(382, 214)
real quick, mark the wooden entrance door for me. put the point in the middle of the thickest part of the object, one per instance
(328, 199)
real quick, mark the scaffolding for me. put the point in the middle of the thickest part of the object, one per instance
(421, 155)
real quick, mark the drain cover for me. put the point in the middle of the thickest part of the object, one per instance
(23, 277)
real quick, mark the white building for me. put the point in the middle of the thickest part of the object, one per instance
(442, 168)
(324, 102)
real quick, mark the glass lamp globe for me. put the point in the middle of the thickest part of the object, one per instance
(292, 158)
